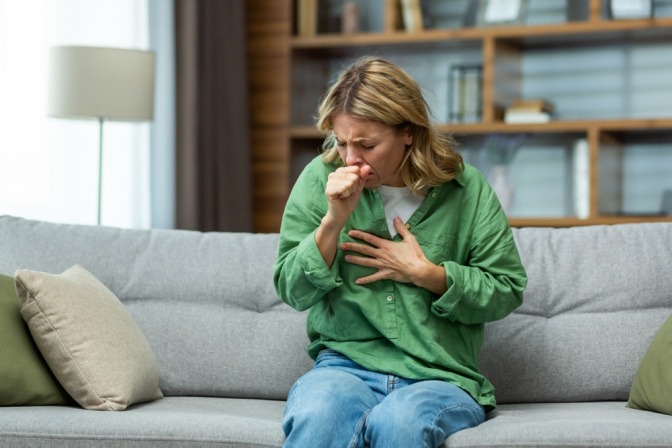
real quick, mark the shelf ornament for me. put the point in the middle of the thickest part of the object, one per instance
(502, 12)
(631, 9)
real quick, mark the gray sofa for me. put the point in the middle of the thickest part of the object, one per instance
(229, 350)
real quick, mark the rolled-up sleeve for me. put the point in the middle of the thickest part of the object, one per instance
(301, 276)
(490, 283)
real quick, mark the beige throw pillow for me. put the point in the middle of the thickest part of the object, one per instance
(89, 340)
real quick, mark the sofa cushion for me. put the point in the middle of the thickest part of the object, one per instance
(174, 422)
(186, 422)
(595, 298)
(562, 425)
(175, 284)
(93, 346)
(652, 387)
(25, 379)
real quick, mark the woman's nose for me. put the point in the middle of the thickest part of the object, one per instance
(352, 156)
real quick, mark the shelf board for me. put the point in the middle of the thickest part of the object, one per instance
(501, 127)
(559, 126)
(384, 38)
(580, 28)
(576, 222)
(599, 30)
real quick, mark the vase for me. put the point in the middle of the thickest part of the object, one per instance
(350, 18)
(500, 180)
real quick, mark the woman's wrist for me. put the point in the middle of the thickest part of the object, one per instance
(326, 238)
(431, 277)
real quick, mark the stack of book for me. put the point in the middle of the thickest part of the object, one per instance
(529, 111)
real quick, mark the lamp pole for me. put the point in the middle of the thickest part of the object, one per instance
(100, 167)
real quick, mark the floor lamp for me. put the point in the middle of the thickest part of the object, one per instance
(101, 83)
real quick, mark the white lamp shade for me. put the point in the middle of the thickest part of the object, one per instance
(110, 83)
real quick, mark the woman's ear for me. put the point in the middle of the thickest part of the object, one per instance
(409, 137)
(405, 131)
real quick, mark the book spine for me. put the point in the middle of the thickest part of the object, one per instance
(533, 117)
(465, 94)
(411, 13)
(307, 17)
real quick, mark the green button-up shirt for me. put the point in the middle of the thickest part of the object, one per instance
(399, 328)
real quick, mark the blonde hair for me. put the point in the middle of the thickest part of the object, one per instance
(375, 89)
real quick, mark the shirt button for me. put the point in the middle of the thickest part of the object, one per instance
(408, 226)
(433, 195)
(389, 298)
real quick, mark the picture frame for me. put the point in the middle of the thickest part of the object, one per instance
(501, 12)
(631, 9)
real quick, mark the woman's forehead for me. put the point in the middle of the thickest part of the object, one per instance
(352, 127)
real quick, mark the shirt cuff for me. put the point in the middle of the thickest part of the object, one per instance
(445, 305)
(314, 266)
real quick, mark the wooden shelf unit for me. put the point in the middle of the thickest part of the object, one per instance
(496, 45)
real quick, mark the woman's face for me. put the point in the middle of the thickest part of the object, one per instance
(363, 142)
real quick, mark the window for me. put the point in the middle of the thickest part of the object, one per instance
(49, 166)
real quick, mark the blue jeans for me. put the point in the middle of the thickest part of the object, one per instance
(340, 404)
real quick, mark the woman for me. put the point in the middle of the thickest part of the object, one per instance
(401, 252)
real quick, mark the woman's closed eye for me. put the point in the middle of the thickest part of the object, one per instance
(363, 145)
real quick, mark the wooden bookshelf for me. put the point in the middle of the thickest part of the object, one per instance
(309, 54)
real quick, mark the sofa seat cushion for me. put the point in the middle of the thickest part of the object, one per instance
(169, 423)
(598, 424)
(246, 423)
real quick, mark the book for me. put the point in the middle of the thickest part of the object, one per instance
(514, 117)
(529, 111)
(610, 180)
(466, 93)
(535, 105)
(392, 19)
(411, 13)
(307, 17)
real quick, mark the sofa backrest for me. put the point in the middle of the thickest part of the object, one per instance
(595, 298)
(205, 301)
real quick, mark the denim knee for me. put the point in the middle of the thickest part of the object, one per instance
(326, 408)
(423, 414)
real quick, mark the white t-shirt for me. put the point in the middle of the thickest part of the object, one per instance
(398, 201)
